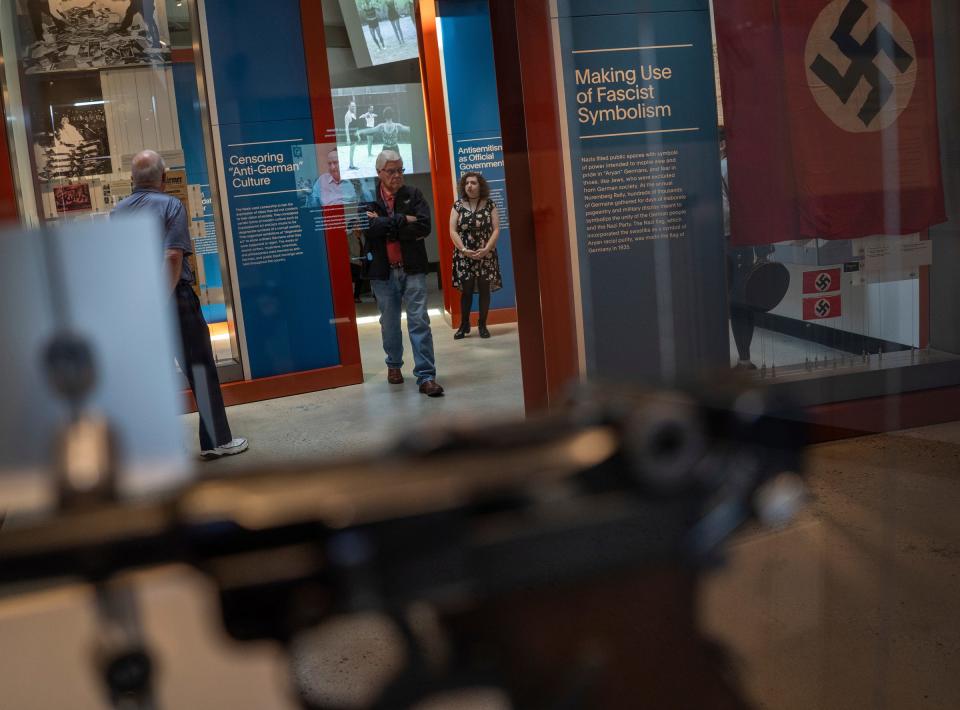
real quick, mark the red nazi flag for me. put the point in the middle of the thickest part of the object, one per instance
(821, 281)
(822, 307)
(853, 112)
(760, 173)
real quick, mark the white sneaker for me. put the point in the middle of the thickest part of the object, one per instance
(237, 446)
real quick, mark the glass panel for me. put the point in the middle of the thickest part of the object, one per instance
(94, 83)
(834, 186)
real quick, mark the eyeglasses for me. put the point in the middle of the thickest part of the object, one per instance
(392, 171)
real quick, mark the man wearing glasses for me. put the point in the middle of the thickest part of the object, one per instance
(398, 224)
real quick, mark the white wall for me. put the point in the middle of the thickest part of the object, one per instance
(888, 311)
(141, 110)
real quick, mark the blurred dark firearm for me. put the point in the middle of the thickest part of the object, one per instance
(480, 523)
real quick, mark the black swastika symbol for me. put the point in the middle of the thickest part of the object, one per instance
(824, 282)
(823, 308)
(862, 62)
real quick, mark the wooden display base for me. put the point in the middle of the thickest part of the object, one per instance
(284, 385)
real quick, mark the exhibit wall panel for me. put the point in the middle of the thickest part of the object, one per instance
(472, 107)
(261, 108)
(639, 118)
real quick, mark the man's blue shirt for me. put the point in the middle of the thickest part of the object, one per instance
(173, 221)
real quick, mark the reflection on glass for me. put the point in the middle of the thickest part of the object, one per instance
(381, 31)
(833, 174)
(100, 80)
(375, 118)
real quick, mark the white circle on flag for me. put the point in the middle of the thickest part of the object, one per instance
(861, 64)
(823, 282)
(823, 308)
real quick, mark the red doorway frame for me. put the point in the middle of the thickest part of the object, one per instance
(441, 162)
(349, 371)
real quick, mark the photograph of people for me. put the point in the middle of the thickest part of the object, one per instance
(388, 133)
(93, 34)
(330, 188)
(351, 124)
(475, 229)
(147, 11)
(37, 9)
(370, 117)
(394, 18)
(384, 117)
(68, 135)
(400, 41)
(71, 130)
(372, 18)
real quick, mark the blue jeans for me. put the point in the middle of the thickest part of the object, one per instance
(391, 294)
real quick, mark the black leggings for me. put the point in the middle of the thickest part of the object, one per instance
(466, 302)
(374, 27)
(742, 320)
(742, 317)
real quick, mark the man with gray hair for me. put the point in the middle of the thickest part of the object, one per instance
(398, 224)
(196, 354)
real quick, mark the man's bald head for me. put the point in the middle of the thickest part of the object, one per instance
(148, 169)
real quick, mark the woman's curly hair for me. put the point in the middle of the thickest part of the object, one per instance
(484, 186)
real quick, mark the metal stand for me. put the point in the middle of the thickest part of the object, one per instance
(86, 469)
(122, 658)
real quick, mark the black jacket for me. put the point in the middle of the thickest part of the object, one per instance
(383, 229)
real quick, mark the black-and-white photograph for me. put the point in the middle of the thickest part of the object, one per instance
(389, 30)
(68, 35)
(374, 118)
(70, 131)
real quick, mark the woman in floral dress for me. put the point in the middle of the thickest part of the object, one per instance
(474, 229)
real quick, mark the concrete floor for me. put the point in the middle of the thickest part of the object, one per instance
(854, 606)
(481, 377)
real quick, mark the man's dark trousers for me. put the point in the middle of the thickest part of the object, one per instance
(196, 352)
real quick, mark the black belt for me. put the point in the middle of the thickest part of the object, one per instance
(396, 266)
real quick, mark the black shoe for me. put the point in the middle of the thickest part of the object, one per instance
(484, 333)
(462, 332)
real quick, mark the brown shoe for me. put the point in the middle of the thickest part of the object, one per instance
(394, 376)
(431, 389)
